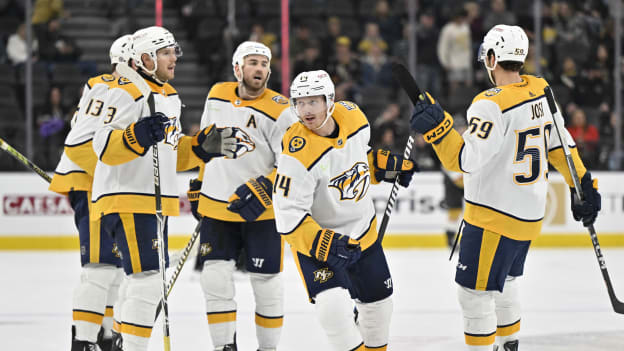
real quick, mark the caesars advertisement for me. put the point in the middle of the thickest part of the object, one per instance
(29, 209)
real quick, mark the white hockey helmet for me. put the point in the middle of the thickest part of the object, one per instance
(508, 43)
(313, 83)
(245, 49)
(148, 41)
(120, 51)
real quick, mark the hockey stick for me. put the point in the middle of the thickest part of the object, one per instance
(23, 160)
(181, 262)
(618, 306)
(140, 83)
(402, 75)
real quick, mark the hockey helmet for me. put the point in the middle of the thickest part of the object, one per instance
(245, 49)
(121, 49)
(148, 41)
(313, 83)
(508, 43)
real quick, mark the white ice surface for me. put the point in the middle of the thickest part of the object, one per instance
(564, 302)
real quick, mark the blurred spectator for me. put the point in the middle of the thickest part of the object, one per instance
(56, 47)
(572, 37)
(345, 70)
(455, 51)
(310, 61)
(300, 41)
(17, 50)
(267, 38)
(428, 66)
(389, 25)
(334, 31)
(46, 10)
(475, 21)
(586, 137)
(498, 14)
(529, 64)
(53, 122)
(371, 37)
(376, 69)
(595, 81)
(569, 74)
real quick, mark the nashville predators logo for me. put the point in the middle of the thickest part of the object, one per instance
(245, 144)
(352, 183)
(323, 275)
(116, 251)
(172, 134)
(205, 249)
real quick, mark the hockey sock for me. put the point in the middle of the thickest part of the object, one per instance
(113, 291)
(269, 295)
(117, 307)
(479, 318)
(217, 283)
(335, 313)
(89, 302)
(507, 313)
(374, 323)
(139, 308)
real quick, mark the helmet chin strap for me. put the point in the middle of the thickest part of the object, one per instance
(330, 110)
(491, 70)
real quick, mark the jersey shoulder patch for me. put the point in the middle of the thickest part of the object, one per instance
(107, 79)
(349, 117)
(511, 95)
(300, 143)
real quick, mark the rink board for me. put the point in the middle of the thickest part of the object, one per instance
(33, 218)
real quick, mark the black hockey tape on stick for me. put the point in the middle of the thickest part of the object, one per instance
(24, 160)
(146, 91)
(618, 306)
(407, 82)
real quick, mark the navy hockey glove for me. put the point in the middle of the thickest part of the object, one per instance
(387, 166)
(145, 132)
(588, 208)
(430, 119)
(337, 250)
(251, 199)
(193, 196)
(215, 142)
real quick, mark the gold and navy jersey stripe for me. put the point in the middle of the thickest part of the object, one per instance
(221, 317)
(269, 322)
(508, 329)
(217, 209)
(83, 155)
(143, 331)
(270, 104)
(497, 221)
(87, 316)
(133, 203)
(350, 121)
(63, 183)
(480, 339)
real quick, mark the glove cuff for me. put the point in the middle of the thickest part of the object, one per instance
(440, 130)
(260, 192)
(323, 242)
(131, 142)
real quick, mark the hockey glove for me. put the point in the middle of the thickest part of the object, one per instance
(588, 208)
(215, 142)
(145, 132)
(193, 196)
(337, 250)
(430, 119)
(251, 199)
(388, 165)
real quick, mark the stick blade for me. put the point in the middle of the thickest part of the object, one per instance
(407, 82)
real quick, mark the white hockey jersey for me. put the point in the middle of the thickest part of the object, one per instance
(323, 182)
(263, 122)
(124, 174)
(75, 169)
(504, 154)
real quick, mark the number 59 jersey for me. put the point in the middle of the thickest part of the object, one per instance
(505, 153)
(323, 182)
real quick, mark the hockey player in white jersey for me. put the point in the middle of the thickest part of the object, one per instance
(504, 155)
(325, 212)
(235, 200)
(123, 186)
(100, 277)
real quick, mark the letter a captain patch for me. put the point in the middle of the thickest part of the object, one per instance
(252, 122)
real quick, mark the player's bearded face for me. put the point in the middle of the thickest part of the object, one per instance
(255, 72)
(166, 59)
(311, 110)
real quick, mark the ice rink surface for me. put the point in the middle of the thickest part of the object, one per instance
(564, 302)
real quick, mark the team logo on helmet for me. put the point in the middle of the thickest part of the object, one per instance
(296, 144)
(352, 183)
(245, 144)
